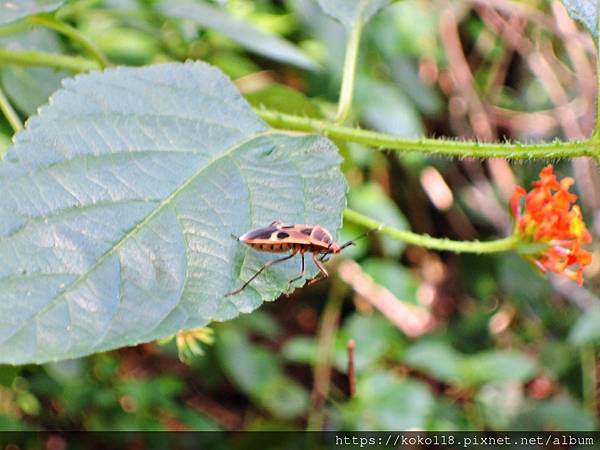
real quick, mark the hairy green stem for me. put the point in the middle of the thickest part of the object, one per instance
(53, 60)
(10, 114)
(422, 240)
(349, 73)
(463, 149)
(74, 34)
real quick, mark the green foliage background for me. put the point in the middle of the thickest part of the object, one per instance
(509, 349)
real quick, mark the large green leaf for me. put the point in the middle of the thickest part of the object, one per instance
(118, 204)
(243, 33)
(585, 11)
(351, 12)
(13, 10)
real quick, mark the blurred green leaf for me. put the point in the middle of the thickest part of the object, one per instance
(349, 12)
(329, 37)
(175, 171)
(28, 403)
(360, 248)
(437, 359)
(371, 200)
(426, 98)
(447, 415)
(560, 413)
(249, 366)
(385, 402)
(14, 424)
(301, 350)
(384, 107)
(408, 28)
(8, 374)
(195, 421)
(28, 88)
(259, 323)
(257, 372)
(521, 280)
(587, 328)
(585, 11)
(245, 34)
(5, 137)
(498, 366)
(558, 357)
(281, 98)
(234, 64)
(123, 45)
(13, 10)
(442, 362)
(392, 276)
(500, 403)
(375, 339)
(64, 371)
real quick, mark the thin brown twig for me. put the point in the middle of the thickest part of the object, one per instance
(322, 369)
(413, 320)
(351, 371)
(463, 78)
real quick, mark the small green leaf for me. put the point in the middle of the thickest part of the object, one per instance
(375, 339)
(498, 366)
(13, 10)
(586, 329)
(585, 11)
(384, 107)
(349, 12)
(119, 203)
(258, 373)
(385, 402)
(370, 199)
(255, 40)
(436, 359)
(301, 350)
(393, 276)
(500, 403)
(560, 413)
(279, 97)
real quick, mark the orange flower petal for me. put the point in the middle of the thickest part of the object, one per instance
(548, 214)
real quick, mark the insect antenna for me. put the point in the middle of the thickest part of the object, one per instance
(364, 235)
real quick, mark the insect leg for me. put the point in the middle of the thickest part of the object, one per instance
(325, 257)
(323, 272)
(267, 265)
(301, 272)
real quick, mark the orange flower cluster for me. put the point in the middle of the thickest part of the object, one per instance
(547, 214)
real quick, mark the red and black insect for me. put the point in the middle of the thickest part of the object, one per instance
(297, 239)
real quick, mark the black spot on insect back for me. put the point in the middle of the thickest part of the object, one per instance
(282, 235)
(261, 233)
(307, 231)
